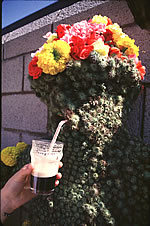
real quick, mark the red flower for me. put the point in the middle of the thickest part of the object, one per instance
(85, 52)
(75, 52)
(33, 69)
(108, 37)
(93, 37)
(79, 48)
(77, 41)
(117, 52)
(114, 51)
(62, 29)
(109, 22)
(141, 69)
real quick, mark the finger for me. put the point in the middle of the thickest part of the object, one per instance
(60, 164)
(58, 176)
(24, 172)
(27, 167)
(27, 182)
(56, 183)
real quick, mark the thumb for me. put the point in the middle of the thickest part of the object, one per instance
(24, 172)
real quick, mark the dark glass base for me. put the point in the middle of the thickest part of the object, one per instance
(42, 185)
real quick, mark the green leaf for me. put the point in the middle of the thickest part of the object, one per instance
(124, 50)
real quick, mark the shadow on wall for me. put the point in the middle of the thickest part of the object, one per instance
(140, 10)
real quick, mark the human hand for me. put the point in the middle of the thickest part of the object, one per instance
(14, 194)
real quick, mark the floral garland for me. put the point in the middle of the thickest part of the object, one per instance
(76, 42)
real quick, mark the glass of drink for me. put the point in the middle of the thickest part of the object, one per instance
(45, 164)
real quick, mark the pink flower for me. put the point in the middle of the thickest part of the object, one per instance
(80, 29)
(66, 38)
(134, 57)
(87, 31)
(48, 34)
(38, 51)
(99, 28)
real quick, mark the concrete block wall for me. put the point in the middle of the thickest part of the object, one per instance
(24, 116)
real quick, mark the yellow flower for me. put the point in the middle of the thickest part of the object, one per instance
(51, 37)
(116, 30)
(54, 57)
(99, 19)
(114, 27)
(9, 155)
(26, 223)
(128, 43)
(21, 146)
(123, 41)
(99, 47)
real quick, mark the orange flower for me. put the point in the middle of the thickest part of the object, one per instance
(141, 69)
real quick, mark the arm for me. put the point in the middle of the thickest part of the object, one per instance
(14, 194)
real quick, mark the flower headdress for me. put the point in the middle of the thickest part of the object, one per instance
(77, 42)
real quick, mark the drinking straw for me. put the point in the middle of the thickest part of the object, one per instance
(56, 134)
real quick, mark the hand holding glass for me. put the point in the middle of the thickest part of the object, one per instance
(45, 164)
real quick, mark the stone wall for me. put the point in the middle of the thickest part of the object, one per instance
(24, 116)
